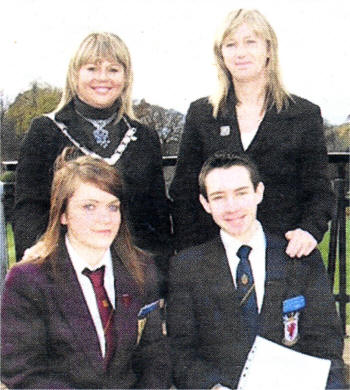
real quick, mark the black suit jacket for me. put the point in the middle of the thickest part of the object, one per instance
(208, 340)
(290, 152)
(49, 340)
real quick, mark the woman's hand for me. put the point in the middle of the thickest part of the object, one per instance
(301, 243)
(34, 252)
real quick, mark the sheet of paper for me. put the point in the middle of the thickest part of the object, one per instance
(270, 366)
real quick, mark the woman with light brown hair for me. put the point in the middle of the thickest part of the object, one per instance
(96, 116)
(87, 313)
(252, 113)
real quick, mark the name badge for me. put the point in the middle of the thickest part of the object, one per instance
(142, 317)
(147, 309)
(293, 304)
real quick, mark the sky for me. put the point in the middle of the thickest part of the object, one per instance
(170, 42)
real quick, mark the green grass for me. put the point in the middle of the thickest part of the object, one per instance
(323, 247)
(11, 245)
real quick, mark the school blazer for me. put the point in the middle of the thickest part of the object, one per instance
(208, 340)
(49, 340)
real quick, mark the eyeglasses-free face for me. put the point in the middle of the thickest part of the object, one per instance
(101, 84)
(93, 219)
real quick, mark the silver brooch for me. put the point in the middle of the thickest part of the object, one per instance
(225, 131)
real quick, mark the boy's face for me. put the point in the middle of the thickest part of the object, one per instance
(232, 200)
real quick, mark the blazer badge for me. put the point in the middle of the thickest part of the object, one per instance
(142, 317)
(126, 299)
(291, 313)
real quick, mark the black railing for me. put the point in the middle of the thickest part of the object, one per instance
(337, 243)
(337, 240)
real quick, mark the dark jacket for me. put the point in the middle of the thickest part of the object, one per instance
(208, 341)
(49, 341)
(290, 152)
(140, 165)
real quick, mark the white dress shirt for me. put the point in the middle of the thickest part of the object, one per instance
(257, 258)
(88, 291)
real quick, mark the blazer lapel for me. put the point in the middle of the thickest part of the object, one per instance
(233, 142)
(228, 118)
(72, 304)
(217, 272)
(128, 304)
(272, 126)
(276, 287)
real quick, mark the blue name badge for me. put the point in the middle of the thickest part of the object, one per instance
(293, 304)
(147, 309)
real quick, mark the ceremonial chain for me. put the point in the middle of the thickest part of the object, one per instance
(100, 133)
(129, 136)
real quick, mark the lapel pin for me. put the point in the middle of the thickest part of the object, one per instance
(225, 131)
(244, 279)
(126, 299)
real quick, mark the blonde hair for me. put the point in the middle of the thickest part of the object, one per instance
(275, 91)
(93, 49)
(70, 170)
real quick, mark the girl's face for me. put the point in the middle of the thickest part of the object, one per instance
(93, 219)
(101, 84)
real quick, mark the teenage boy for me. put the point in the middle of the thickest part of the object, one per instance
(241, 284)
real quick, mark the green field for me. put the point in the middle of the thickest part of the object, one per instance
(323, 246)
(11, 245)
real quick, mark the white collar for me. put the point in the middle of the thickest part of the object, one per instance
(231, 243)
(257, 258)
(80, 264)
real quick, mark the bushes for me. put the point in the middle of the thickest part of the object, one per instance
(8, 177)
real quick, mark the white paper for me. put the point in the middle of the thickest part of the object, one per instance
(270, 366)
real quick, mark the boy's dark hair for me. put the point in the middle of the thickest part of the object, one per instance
(227, 160)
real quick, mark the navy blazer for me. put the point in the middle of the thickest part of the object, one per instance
(290, 151)
(208, 341)
(49, 339)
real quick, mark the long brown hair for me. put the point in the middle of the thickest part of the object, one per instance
(276, 94)
(71, 169)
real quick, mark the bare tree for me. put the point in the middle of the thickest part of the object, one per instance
(167, 122)
(3, 107)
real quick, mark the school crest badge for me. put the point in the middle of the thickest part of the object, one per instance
(291, 314)
(291, 334)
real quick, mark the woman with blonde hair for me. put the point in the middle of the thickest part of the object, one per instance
(96, 116)
(87, 313)
(252, 113)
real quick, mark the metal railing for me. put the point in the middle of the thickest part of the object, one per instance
(3, 237)
(337, 242)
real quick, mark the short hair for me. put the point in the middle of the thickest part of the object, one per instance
(94, 48)
(227, 160)
(275, 91)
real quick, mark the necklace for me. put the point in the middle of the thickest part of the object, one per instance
(100, 133)
(129, 136)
